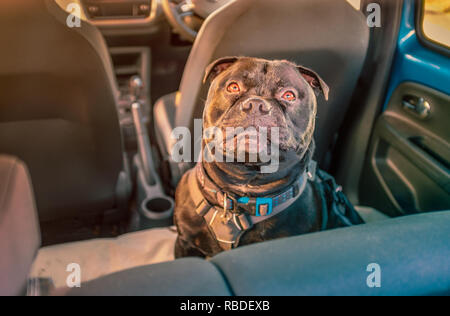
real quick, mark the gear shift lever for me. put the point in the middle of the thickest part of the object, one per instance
(153, 203)
(143, 144)
(136, 86)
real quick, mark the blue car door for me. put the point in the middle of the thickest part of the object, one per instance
(407, 169)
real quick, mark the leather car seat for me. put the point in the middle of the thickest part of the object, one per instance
(58, 113)
(329, 36)
(19, 227)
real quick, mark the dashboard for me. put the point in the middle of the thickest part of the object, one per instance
(116, 14)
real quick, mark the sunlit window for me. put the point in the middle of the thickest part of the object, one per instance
(355, 3)
(436, 21)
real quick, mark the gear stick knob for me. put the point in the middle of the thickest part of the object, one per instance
(136, 86)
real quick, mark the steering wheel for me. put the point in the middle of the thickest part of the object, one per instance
(177, 10)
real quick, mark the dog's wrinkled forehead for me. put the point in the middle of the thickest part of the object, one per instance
(266, 74)
(263, 74)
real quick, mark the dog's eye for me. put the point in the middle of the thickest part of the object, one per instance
(288, 96)
(233, 88)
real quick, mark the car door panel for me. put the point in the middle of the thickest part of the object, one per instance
(407, 168)
(409, 157)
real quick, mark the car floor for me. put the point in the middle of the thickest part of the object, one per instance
(77, 229)
(98, 257)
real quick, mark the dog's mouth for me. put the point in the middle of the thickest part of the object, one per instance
(252, 145)
(252, 139)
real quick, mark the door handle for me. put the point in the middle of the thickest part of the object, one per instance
(417, 106)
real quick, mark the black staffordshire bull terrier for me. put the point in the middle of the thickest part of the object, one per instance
(222, 204)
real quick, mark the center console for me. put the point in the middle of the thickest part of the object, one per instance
(132, 70)
(129, 62)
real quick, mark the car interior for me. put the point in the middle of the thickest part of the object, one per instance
(91, 90)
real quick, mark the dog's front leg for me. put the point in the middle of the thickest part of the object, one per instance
(185, 249)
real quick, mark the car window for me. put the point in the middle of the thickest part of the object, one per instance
(355, 3)
(436, 21)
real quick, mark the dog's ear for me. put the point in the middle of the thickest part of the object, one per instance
(218, 66)
(314, 81)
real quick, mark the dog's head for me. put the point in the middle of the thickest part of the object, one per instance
(251, 92)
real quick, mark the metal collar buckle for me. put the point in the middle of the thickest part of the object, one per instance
(340, 197)
(226, 198)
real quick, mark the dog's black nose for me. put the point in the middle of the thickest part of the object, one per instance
(256, 106)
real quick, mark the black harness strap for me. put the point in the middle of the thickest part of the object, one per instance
(228, 227)
(337, 211)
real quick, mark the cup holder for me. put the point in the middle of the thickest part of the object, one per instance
(159, 207)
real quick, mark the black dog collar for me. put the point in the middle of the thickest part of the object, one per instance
(257, 207)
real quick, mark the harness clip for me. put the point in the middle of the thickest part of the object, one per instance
(263, 206)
